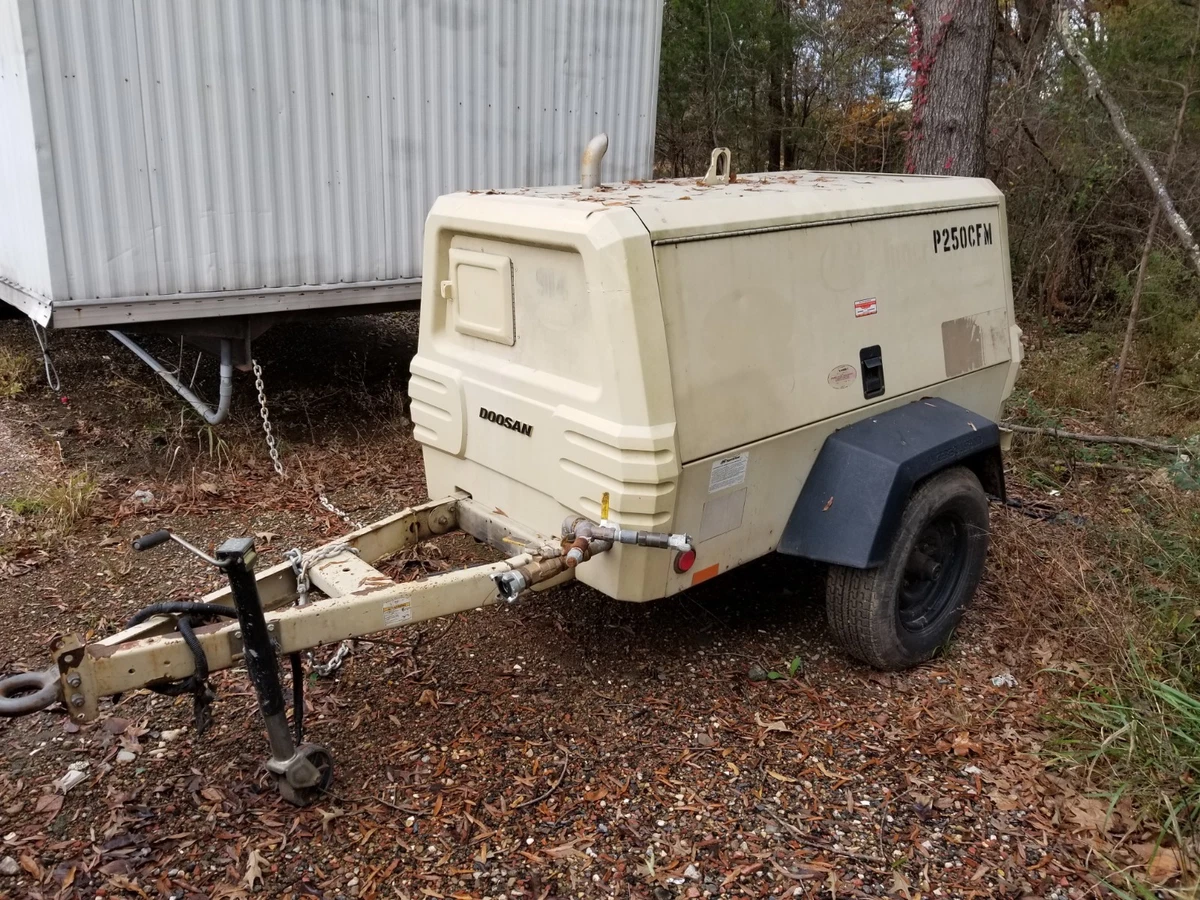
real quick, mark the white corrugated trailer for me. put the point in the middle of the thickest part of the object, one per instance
(204, 167)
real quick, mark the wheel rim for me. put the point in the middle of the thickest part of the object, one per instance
(932, 572)
(323, 763)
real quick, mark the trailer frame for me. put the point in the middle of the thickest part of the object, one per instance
(359, 600)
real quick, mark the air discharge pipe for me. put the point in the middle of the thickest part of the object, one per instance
(225, 398)
(583, 530)
(589, 163)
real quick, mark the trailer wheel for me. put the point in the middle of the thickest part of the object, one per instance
(904, 611)
(307, 795)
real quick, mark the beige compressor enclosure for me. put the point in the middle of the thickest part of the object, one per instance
(686, 349)
(642, 386)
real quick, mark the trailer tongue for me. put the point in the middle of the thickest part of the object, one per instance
(258, 619)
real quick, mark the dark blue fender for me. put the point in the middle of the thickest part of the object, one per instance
(850, 507)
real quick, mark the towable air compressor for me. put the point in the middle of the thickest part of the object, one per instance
(642, 386)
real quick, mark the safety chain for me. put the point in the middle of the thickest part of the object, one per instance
(266, 418)
(301, 563)
(274, 450)
(340, 513)
(327, 668)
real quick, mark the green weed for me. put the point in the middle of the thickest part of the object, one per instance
(16, 370)
(796, 665)
(24, 506)
(1142, 735)
(213, 445)
(66, 503)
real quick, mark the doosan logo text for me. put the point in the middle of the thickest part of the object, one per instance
(506, 421)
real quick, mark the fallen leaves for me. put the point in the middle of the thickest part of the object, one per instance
(1162, 863)
(571, 848)
(253, 878)
(444, 758)
(964, 746)
(49, 805)
(770, 725)
(30, 865)
(1090, 814)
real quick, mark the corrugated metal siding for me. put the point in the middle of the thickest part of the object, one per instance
(24, 263)
(93, 98)
(266, 142)
(504, 94)
(220, 145)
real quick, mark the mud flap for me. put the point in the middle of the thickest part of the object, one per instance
(851, 504)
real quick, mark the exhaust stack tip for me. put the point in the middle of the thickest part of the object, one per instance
(589, 163)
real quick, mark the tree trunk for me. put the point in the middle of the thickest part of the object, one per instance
(1023, 42)
(952, 73)
(775, 112)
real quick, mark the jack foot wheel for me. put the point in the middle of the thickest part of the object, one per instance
(310, 758)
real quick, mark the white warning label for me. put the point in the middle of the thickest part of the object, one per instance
(728, 472)
(396, 612)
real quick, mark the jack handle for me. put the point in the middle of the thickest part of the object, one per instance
(29, 692)
(154, 538)
(147, 541)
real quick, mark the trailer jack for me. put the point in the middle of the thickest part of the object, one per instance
(252, 622)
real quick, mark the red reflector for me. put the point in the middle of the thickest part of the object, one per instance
(685, 561)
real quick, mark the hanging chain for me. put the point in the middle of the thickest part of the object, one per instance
(266, 418)
(301, 563)
(331, 665)
(337, 511)
(274, 450)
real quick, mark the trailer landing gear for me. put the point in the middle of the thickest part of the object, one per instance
(302, 773)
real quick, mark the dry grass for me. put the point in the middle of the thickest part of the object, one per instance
(1119, 589)
(16, 370)
(68, 501)
(1065, 380)
(60, 505)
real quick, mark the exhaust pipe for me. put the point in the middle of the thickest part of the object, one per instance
(589, 163)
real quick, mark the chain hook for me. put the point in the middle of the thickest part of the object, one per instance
(301, 563)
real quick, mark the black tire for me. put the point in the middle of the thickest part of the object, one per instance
(904, 611)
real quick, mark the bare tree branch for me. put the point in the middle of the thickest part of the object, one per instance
(1097, 89)
(1094, 438)
(1135, 303)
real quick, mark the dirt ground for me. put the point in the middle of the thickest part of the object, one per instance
(567, 745)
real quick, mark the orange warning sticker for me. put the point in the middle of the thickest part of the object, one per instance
(706, 573)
